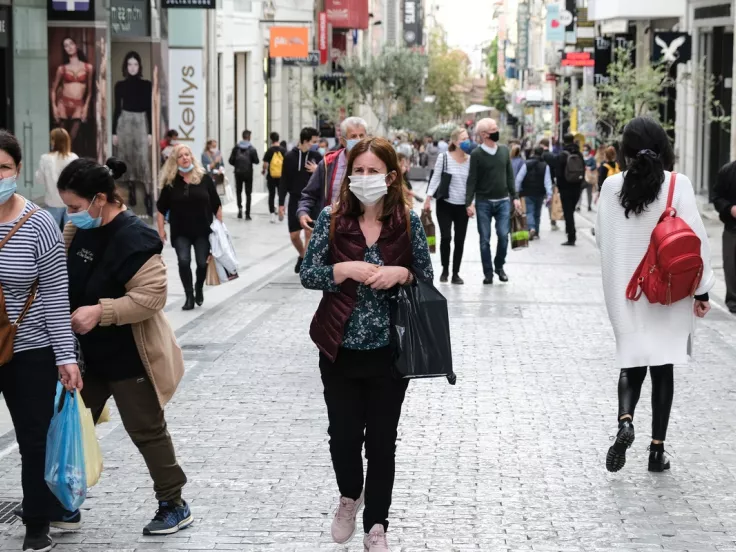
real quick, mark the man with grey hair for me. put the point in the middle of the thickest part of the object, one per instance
(324, 186)
(490, 188)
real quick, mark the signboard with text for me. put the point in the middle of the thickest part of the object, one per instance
(289, 42)
(413, 31)
(312, 60)
(322, 37)
(522, 47)
(129, 17)
(186, 97)
(203, 4)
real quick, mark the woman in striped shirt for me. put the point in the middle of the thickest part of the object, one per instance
(43, 349)
(451, 210)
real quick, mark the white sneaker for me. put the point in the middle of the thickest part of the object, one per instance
(376, 541)
(343, 526)
(273, 218)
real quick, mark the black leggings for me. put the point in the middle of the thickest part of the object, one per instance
(663, 385)
(183, 246)
(447, 215)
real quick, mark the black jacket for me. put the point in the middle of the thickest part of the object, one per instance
(551, 160)
(723, 195)
(243, 157)
(563, 185)
(533, 183)
(294, 174)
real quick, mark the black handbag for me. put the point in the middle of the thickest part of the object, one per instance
(443, 190)
(420, 333)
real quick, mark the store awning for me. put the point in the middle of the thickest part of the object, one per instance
(477, 108)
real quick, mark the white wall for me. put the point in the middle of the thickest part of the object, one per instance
(599, 10)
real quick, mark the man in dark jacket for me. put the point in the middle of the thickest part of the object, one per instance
(243, 157)
(570, 191)
(299, 164)
(324, 185)
(534, 184)
(551, 160)
(724, 200)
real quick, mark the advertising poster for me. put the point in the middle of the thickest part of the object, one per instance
(77, 78)
(186, 97)
(132, 125)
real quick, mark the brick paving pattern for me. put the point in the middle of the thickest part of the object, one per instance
(510, 459)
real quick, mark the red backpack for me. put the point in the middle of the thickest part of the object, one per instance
(672, 267)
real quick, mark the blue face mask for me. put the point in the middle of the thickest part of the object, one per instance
(7, 188)
(84, 220)
(467, 146)
(322, 151)
(351, 143)
(189, 169)
(314, 147)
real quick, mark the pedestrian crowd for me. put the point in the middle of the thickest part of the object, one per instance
(83, 284)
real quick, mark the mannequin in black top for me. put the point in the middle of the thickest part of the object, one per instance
(131, 127)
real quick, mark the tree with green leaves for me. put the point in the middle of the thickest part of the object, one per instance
(330, 102)
(495, 94)
(448, 71)
(390, 83)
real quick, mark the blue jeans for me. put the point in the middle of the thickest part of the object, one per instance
(501, 211)
(60, 215)
(534, 212)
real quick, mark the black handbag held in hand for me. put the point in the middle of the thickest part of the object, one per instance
(443, 190)
(420, 333)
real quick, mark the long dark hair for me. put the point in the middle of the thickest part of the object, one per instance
(132, 54)
(65, 57)
(88, 179)
(349, 205)
(647, 151)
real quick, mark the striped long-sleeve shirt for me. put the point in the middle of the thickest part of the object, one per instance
(458, 184)
(36, 252)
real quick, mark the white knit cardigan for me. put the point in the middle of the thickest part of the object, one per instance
(646, 334)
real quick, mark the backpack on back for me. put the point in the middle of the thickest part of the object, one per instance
(276, 166)
(243, 161)
(574, 168)
(672, 267)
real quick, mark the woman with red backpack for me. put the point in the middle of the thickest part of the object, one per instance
(655, 261)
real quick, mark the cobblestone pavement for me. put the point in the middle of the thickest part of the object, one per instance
(510, 459)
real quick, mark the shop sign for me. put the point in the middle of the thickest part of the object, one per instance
(186, 97)
(347, 14)
(4, 27)
(129, 18)
(289, 42)
(522, 47)
(555, 30)
(203, 4)
(322, 37)
(312, 60)
(577, 59)
(672, 48)
(413, 29)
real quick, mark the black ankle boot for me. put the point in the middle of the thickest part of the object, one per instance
(657, 460)
(616, 457)
(199, 296)
(445, 274)
(189, 303)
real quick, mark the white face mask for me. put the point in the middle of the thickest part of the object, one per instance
(368, 189)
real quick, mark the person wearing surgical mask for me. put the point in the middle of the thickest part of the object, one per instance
(324, 145)
(117, 293)
(451, 207)
(32, 268)
(324, 185)
(367, 243)
(189, 195)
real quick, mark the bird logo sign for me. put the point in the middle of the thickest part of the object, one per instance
(673, 47)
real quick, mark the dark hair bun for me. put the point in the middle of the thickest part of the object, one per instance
(116, 166)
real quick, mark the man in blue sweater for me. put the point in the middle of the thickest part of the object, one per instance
(490, 188)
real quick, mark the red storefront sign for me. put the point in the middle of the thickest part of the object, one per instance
(577, 59)
(322, 37)
(347, 14)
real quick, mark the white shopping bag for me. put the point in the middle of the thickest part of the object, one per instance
(221, 248)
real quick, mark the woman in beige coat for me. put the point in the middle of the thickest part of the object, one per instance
(117, 292)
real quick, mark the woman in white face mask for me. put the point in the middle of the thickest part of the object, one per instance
(364, 245)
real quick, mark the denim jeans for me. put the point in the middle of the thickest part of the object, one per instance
(183, 246)
(534, 211)
(501, 211)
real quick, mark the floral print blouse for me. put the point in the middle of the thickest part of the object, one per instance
(368, 325)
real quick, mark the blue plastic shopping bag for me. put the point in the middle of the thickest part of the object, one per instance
(65, 470)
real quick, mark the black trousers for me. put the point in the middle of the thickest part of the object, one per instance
(729, 268)
(243, 180)
(447, 215)
(29, 385)
(183, 246)
(663, 386)
(364, 410)
(570, 200)
(273, 188)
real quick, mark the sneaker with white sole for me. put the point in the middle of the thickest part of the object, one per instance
(170, 518)
(376, 540)
(343, 526)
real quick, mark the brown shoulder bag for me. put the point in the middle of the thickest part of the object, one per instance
(9, 329)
